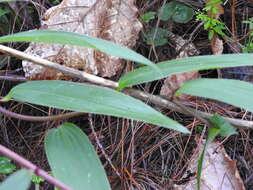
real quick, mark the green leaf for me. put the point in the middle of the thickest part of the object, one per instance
(212, 133)
(182, 13)
(234, 92)
(146, 73)
(226, 129)
(167, 10)
(148, 16)
(20, 180)
(69, 38)
(36, 179)
(86, 98)
(4, 12)
(6, 167)
(73, 159)
(157, 37)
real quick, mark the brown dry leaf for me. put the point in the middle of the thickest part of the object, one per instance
(113, 20)
(219, 172)
(173, 82)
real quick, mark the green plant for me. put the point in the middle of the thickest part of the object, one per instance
(70, 143)
(6, 167)
(219, 127)
(172, 11)
(37, 180)
(156, 37)
(249, 45)
(178, 12)
(211, 24)
(147, 17)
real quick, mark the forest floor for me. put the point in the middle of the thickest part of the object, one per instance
(145, 156)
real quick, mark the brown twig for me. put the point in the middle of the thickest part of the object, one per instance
(66, 70)
(39, 118)
(33, 168)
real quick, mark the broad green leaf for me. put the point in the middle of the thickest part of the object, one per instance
(182, 13)
(226, 129)
(6, 167)
(86, 98)
(234, 92)
(147, 74)
(212, 133)
(69, 38)
(167, 10)
(73, 159)
(20, 180)
(179, 12)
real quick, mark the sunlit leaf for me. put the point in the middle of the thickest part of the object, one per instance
(147, 74)
(73, 159)
(87, 98)
(20, 180)
(234, 92)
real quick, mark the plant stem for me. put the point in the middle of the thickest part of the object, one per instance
(33, 168)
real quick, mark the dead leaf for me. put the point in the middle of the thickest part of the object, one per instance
(219, 171)
(113, 20)
(173, 82)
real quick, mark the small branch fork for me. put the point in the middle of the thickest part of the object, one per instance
(33, 168)
(144, 96)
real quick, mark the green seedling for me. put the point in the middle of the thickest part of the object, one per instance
(219, 127)
(249, 45)
(147, 17)
(6, 167)
(37, 180)
(156, 37)
(212, 25)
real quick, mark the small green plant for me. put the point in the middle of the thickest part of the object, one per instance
(178, 12)
(6, 167)
(147, 17)
(156, 37)
(37, 180)
(173, 11)
(211, 24)
(219, 127)
(249, 45)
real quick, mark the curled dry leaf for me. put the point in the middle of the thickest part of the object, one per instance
(173, 82)
(219, 171)
(112, 20)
